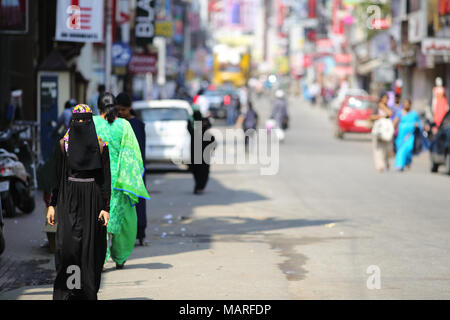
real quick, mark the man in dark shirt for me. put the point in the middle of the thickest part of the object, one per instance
(124, 103)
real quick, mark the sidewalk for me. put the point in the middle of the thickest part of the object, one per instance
(199, 248)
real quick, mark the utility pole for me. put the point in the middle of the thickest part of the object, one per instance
(160, 43)
(108, 44)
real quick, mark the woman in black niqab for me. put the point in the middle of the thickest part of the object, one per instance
(200, 164)
(81, 194)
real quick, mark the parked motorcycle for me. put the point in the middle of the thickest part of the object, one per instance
(15, 185)
(11, 141)
(17, 169)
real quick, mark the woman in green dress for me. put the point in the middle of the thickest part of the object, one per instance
(127, 170)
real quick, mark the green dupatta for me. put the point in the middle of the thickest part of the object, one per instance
(127, 168)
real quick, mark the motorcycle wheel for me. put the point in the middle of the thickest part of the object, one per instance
(8, 205)
(23, 200)
(27, 205)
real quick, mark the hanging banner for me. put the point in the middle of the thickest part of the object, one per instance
(145, 22)
(143, 63)
(436, 46)
(79, 20)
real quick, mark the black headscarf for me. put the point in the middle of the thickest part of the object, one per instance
(84, 148)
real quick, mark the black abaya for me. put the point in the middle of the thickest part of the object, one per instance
(139, 131)
(200, 171)
(79, 197)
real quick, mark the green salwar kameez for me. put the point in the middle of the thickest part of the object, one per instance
(127, 185)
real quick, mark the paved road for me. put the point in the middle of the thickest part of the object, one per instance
(309, 232)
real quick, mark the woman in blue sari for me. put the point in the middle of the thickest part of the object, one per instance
(407, 122)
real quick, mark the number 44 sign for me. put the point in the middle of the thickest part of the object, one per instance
(145, 22)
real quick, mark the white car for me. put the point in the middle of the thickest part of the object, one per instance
(167, 136)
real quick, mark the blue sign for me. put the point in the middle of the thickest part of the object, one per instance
(121, 54)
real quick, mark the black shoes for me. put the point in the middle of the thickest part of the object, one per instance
(120, 266)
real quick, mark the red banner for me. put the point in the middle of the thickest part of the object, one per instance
(444, 7)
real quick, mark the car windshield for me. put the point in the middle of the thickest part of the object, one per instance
(163, 114)
(227, 67)
(360, 104)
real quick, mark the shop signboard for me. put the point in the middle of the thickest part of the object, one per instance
(79, 20)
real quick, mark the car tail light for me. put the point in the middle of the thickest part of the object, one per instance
(5, 170)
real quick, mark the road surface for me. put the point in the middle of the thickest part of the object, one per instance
(312, 231)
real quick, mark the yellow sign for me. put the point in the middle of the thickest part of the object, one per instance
(164, 29)
(120, 71)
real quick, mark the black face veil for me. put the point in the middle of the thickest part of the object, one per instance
(84, 149)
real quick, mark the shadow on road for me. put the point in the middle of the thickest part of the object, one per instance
(356, 138)
(173, 228)
(143, 266)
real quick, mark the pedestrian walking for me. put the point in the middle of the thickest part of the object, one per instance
(201, 101)
(124, 104)
(127, 184)
(408, 124)
(233, 109)
(94, 98)
(200, 163)
(279, 111)
(250, 123)
(64, 119)
(280, 114)
(396, 106)
(439, 103)
(81, 195)
(382, 134)
(314, 91)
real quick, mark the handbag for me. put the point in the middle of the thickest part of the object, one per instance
(383, 129)
(420, 142)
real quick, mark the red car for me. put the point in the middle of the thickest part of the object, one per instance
(354, 115)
